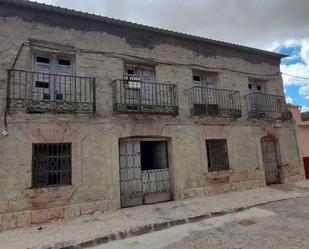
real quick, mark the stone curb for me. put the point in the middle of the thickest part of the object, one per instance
(144, 229)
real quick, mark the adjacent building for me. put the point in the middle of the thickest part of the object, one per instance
(305, 116)
(301, 120)
(99, 114)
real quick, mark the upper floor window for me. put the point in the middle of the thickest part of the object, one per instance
(257, 86)
(138, 77)
(50, 85)
(51, 164)
(52, 80)
(143, 73)
(205, 79)
(138, 92)
(53, 64)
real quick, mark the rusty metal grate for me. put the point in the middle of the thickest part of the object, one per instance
(51, 164)
(217, 155)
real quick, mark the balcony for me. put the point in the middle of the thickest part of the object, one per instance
(262, 104)
(41, 92)
(214, 102)
(134, 96)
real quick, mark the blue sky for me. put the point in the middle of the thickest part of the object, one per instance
(276, 25)
(296, 88)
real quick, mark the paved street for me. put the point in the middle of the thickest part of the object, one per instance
(131, 221)
(282, 224)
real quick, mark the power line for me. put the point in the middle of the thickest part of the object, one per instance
(294, 76)
(150, 60)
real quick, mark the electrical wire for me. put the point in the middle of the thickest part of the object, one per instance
(18, 54)
(153, 60)
(122, 56)
(294, 76)
(150, 60)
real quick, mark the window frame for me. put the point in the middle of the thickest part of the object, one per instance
(47, 172)
(255, 83)
(204, 79)
(213, 159)
(55, 76)
(53, 61)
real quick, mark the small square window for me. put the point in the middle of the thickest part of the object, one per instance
(259, 88)
(196, 78)
(51, 164)
(59, 96)
(41, 84)
(42, 59)
(250, 86)
(130, 71)
(64, 62)
(217, 155)
(46, 96)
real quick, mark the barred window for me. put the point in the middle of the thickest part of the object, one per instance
(217, 155)
(51, 164)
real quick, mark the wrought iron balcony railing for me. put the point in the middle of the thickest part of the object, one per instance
(42, 92)
(133, 96)
(262, 104)
(214, 102)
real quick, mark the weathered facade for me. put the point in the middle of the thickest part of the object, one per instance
(102, 114)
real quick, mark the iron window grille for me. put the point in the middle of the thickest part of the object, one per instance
(51, 164)
(217, 155)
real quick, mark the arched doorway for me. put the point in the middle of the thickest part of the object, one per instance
(270, 160)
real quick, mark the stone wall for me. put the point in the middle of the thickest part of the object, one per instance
(95, 163)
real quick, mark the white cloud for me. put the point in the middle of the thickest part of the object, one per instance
(289, 99)
(305, 109)
(305, 51)
(299, 69)
(292, 57)
(46, 1)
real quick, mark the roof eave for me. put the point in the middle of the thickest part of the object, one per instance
(75, 13)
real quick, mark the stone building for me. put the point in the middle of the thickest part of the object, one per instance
(99, 114)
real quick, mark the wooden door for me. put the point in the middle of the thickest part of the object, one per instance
(131, 91)
(42, 78)
(209, 83)
(270, 161)
(130, 174)
(258, 101)
(52, 80)
(148, 87)
(63, 80)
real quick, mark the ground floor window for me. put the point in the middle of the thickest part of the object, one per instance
(217, 155)
(51, 164)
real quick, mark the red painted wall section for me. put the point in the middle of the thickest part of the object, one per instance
(306, 165)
